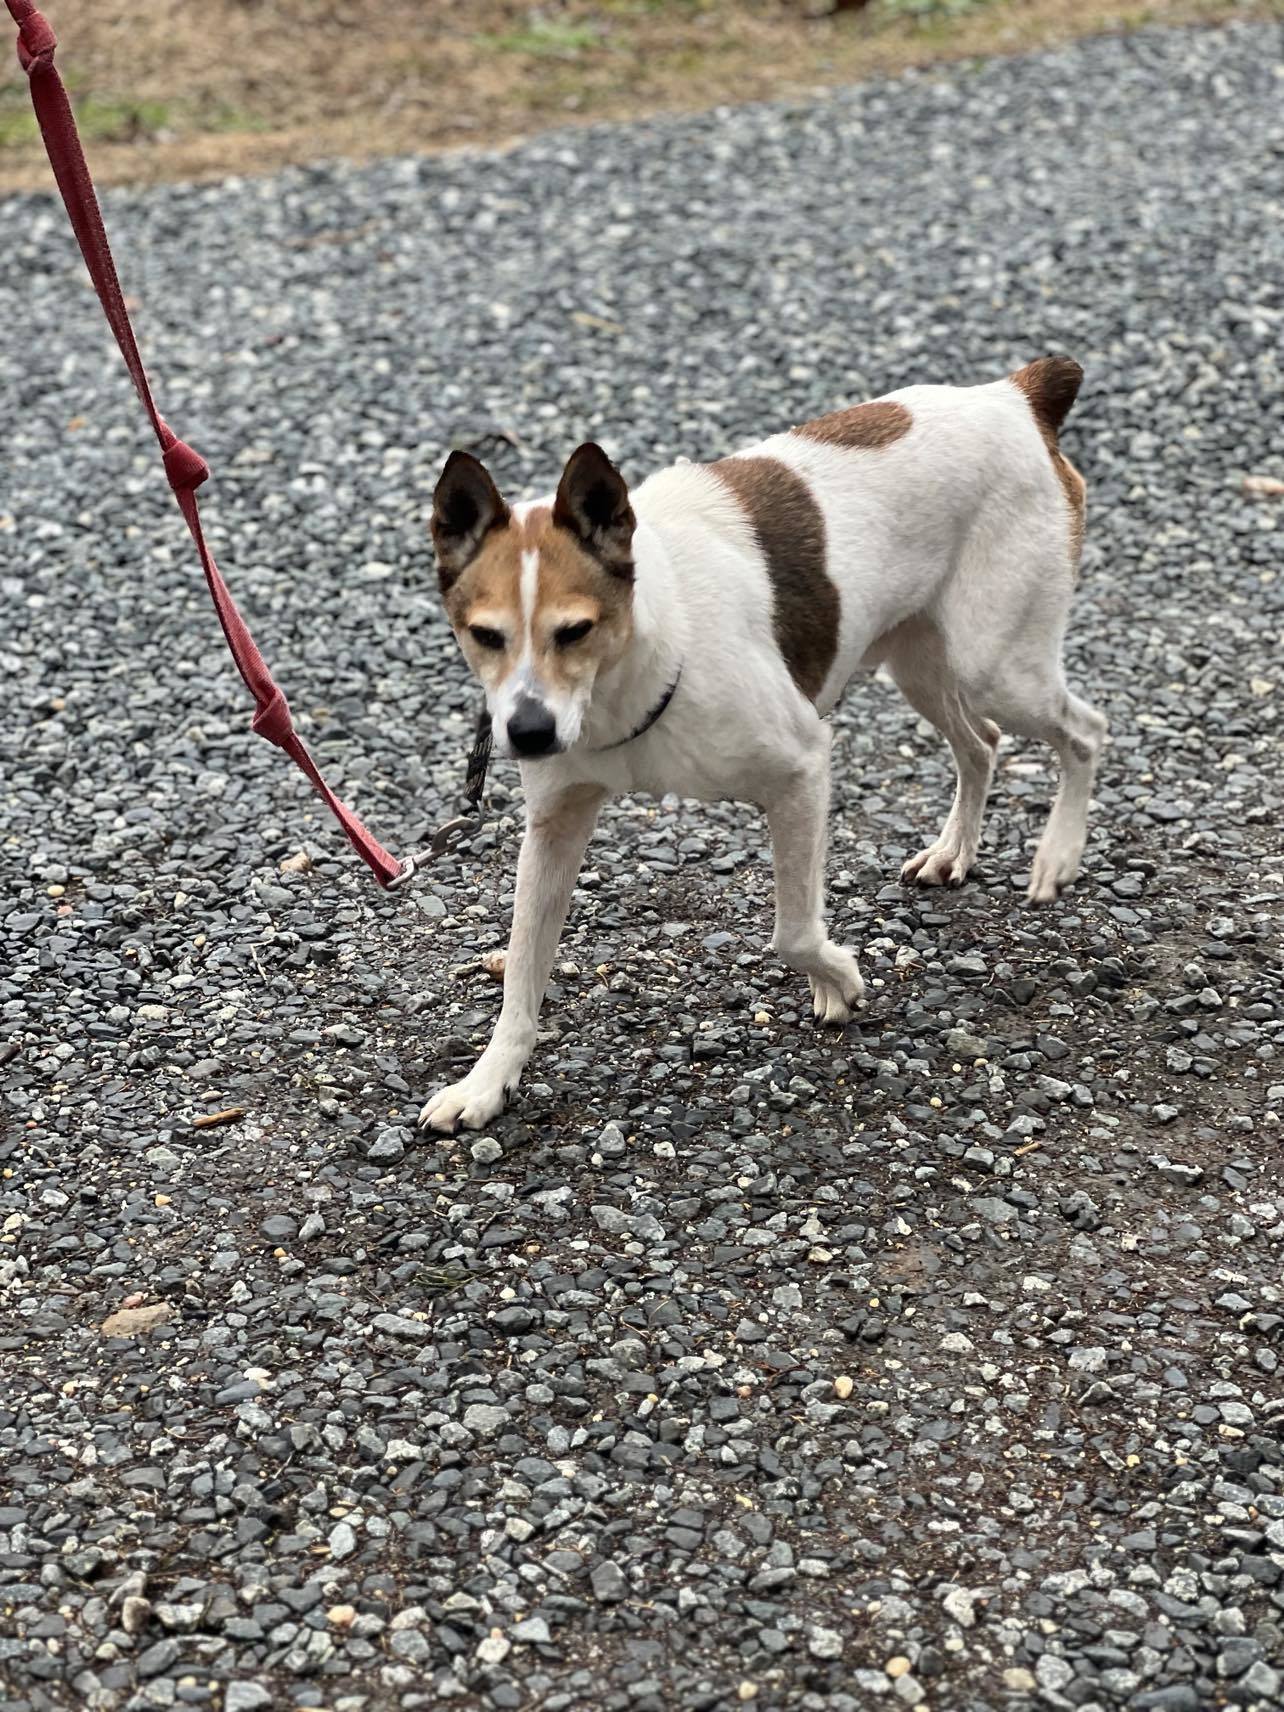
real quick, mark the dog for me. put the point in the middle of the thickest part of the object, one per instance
(693, 635)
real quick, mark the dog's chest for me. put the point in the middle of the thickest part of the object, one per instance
(709, 762)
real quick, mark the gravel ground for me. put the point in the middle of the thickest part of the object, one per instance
(936, 1363)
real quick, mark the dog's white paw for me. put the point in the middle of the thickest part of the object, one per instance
(470, 1104)
(1052, 869)
(837, 991)
(938, 865)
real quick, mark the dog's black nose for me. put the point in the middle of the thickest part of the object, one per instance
(532, 730)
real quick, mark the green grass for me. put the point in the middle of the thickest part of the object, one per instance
(642, 8)
(543, 39)
(17, 122)
(226, 118)
(104, 119)
(101, 119)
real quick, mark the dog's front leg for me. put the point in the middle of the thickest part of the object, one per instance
(557, 831)
(798, 818)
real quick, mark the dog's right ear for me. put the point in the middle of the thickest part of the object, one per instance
(466, 506)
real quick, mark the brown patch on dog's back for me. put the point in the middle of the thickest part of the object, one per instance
(1051, 385)
(791, 533)
(862, 428)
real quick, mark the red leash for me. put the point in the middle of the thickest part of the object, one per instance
(185, 468)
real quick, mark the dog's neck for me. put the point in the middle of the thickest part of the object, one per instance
(626, 696)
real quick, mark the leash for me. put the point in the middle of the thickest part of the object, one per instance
(185, 469)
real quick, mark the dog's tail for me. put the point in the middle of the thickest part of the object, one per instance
(1051, 384)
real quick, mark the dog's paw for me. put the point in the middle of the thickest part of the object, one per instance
(837, 992)
(938, 865)
(1051, 871)
(470, 1104)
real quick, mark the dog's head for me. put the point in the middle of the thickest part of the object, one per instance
(540, 597)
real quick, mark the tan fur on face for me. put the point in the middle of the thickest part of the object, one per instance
(569, 586)
(863, 428)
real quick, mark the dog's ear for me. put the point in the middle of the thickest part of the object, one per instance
(593, 503)
(466, 506)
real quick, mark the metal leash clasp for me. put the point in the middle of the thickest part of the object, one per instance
(453, 832)
(445, 839)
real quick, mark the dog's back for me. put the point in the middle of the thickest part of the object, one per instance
(933, 500)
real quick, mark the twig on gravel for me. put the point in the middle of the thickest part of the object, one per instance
(231, 1114)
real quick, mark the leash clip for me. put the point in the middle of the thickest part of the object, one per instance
(453, 832)
(442, 842)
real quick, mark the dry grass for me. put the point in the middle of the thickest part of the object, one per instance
(176, 89)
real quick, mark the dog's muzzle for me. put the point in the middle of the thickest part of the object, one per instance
(532, 730)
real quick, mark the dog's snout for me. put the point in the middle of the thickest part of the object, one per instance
(532, 730)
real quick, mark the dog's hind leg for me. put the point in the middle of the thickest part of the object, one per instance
(1077, 735)
(1077, 732)
(917, 660)
(798, 821)
(557, 832)
(1024, 688)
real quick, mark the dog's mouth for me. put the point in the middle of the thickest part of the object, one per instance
(516, 754)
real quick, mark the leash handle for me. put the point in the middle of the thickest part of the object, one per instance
(185, 469)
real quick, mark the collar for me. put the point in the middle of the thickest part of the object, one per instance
(650, 719)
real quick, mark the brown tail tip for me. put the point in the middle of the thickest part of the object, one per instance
(1052, 385)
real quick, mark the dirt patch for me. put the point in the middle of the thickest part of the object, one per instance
(300, 80)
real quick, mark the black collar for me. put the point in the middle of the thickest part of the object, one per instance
(453, 831)
(650, 719)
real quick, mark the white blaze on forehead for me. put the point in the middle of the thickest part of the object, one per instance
(529, 585)
(529, 589)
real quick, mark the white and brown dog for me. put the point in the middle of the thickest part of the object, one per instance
(692, 637)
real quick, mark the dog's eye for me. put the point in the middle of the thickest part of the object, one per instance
(569, 634)
(486, 638)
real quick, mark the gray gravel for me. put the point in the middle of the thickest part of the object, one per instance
(933, 1364)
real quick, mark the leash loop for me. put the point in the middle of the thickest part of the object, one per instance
(185, 468)
(273, 721)
(36, 39)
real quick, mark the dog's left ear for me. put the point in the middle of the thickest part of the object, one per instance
(593, 503)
